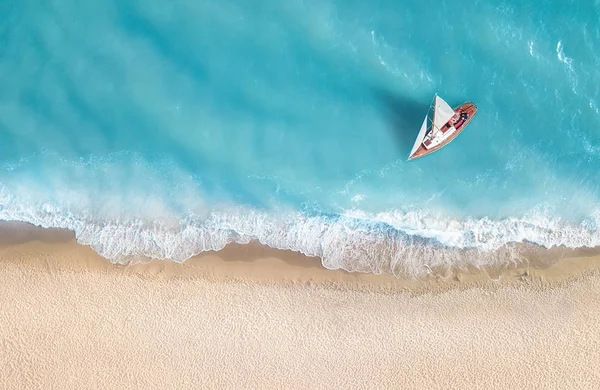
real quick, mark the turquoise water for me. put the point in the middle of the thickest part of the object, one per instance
(169, 128)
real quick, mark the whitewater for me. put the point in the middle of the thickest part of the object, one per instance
(163, 130)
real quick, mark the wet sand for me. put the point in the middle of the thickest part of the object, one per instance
(254, 317)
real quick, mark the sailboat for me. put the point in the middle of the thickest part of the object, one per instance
(446, 124)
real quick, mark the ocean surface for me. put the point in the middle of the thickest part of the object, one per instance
(168, 128)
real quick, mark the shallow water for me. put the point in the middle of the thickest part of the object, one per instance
(166, 129)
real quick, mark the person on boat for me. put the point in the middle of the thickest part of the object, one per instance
(463, 117)
(453, 120)
(455, 117)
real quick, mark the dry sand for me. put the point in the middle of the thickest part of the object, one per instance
(252, 317)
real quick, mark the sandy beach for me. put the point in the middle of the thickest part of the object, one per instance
(253, 317)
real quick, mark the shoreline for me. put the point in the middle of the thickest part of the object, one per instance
(259, 263)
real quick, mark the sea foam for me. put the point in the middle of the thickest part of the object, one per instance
(392, 242)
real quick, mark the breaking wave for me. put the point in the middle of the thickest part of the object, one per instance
(411, 243)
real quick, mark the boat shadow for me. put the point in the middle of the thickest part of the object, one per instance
(404, 116)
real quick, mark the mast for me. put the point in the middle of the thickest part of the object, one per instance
(433, 127)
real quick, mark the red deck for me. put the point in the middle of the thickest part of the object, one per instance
(470, 109)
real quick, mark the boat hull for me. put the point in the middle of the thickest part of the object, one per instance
(470, 108)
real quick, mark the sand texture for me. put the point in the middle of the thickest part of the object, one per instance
(71, 320)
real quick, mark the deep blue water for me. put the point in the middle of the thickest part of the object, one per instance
(168, 128)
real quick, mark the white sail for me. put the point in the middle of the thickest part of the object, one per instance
(420, 137)
(442, 113)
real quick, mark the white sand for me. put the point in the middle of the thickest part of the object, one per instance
(97, 326)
